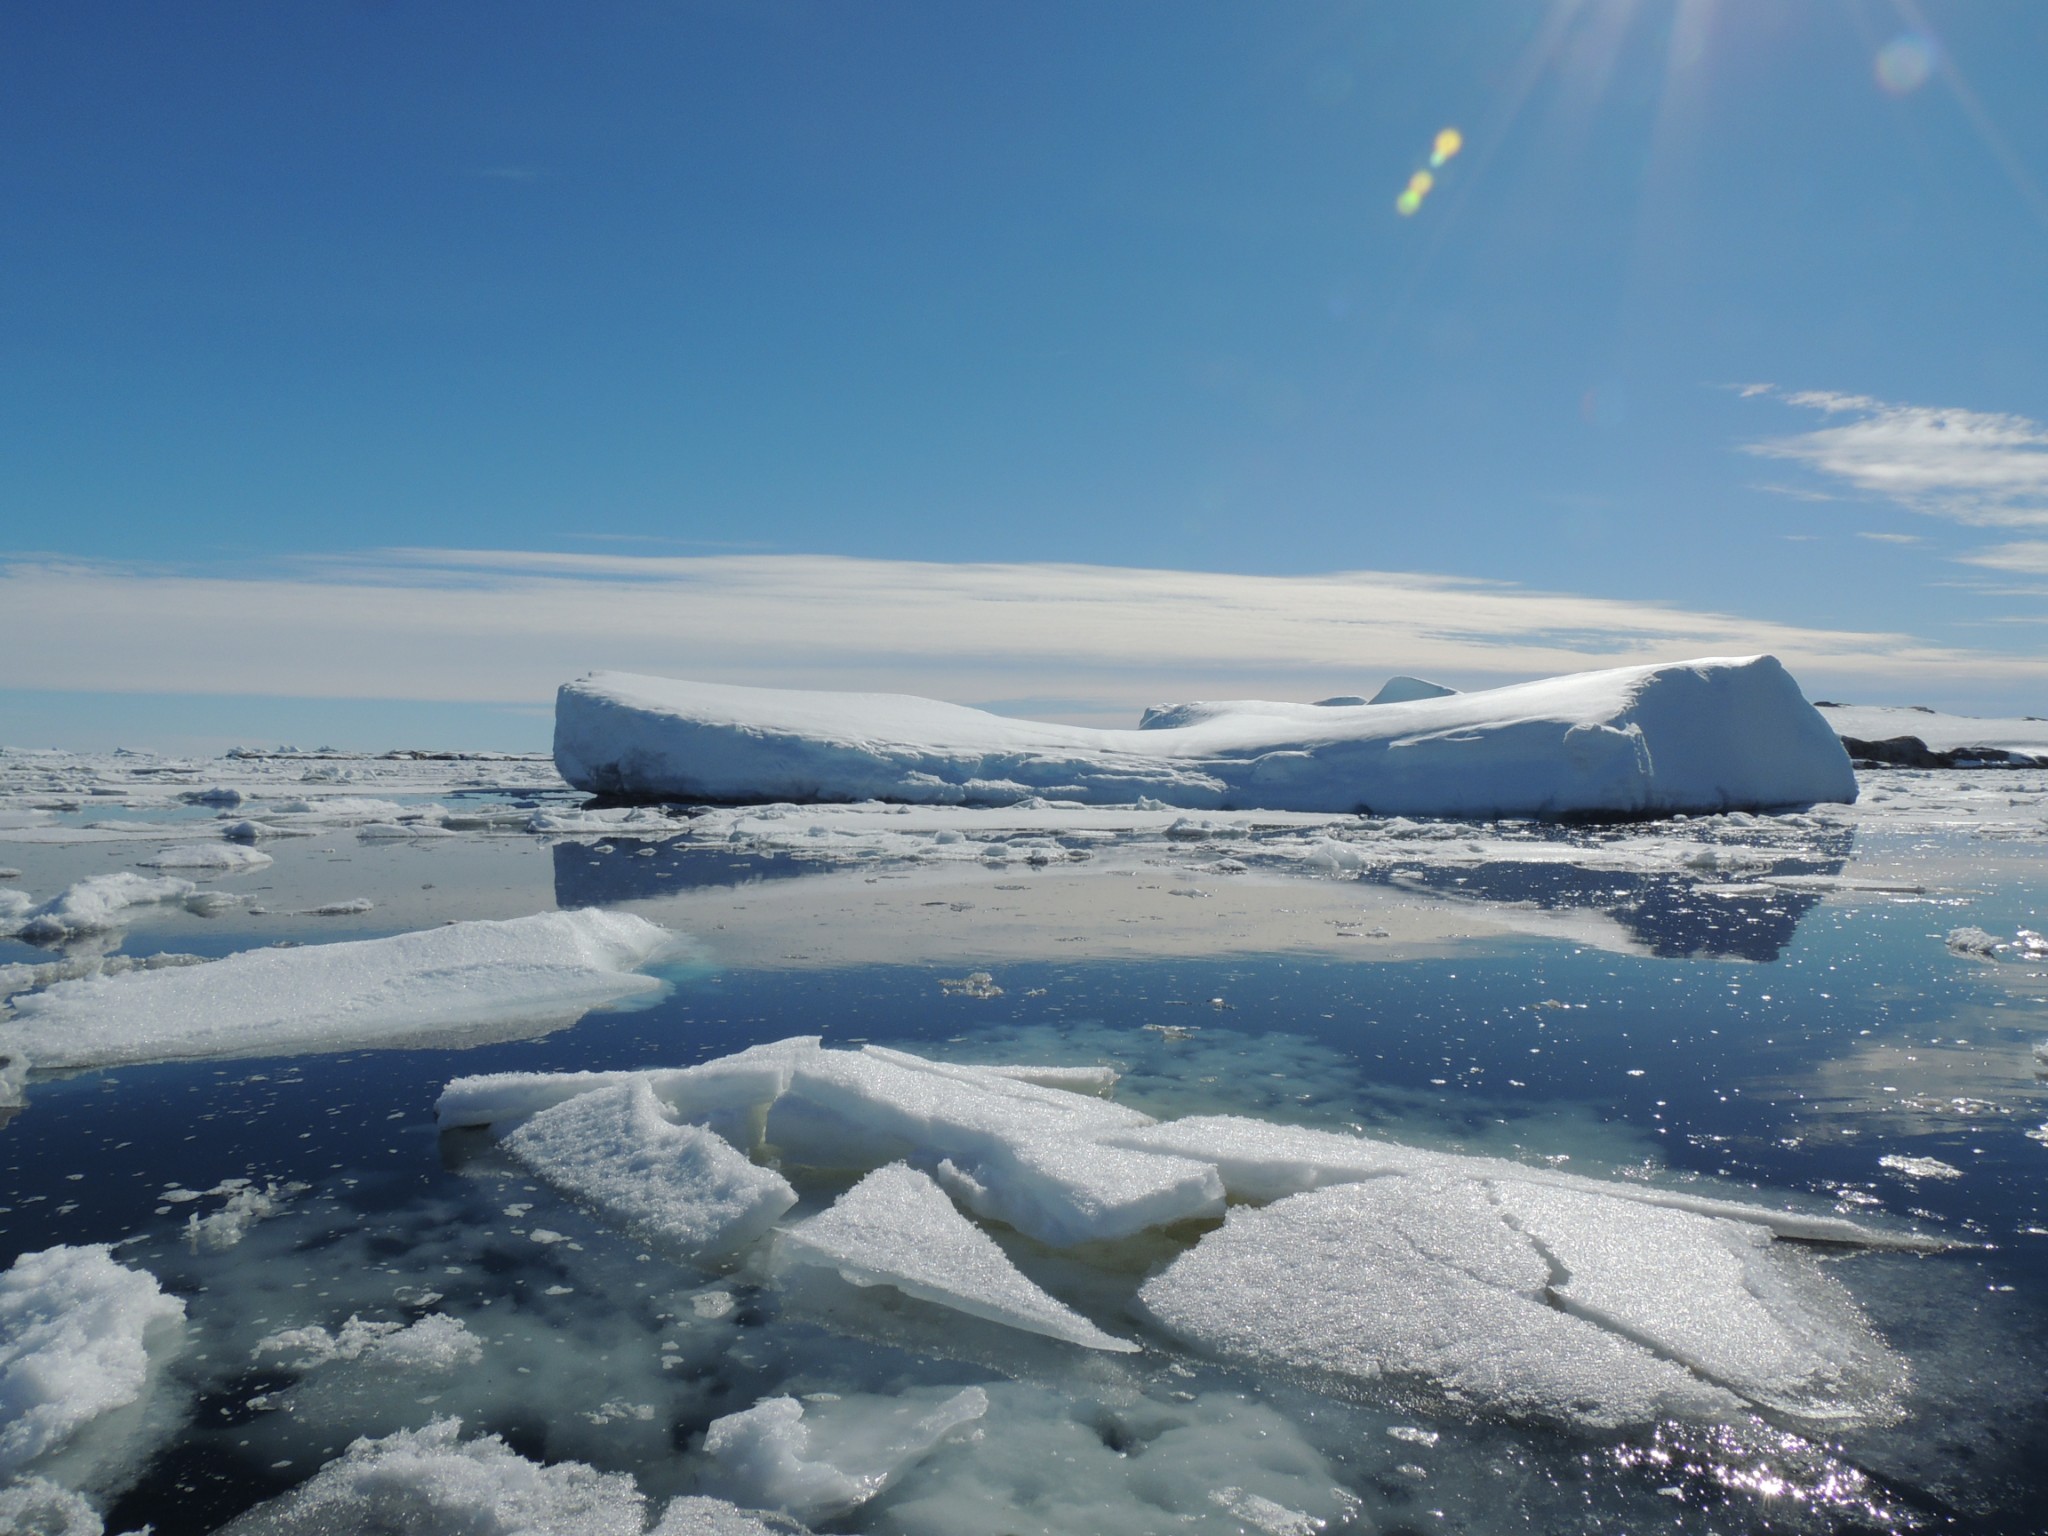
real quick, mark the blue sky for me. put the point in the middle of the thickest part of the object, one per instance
(725, 316)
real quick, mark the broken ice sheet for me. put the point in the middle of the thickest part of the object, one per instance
(1526, 1300)
(896, 1227)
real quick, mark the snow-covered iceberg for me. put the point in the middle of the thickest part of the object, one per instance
(1700, 736)
(1914, 737)
(484, 977)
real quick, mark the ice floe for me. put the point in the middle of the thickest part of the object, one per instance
(1503, 1288)
(1710, 735)
(75, 1340)
(1515, 1298)
(618, 1149)
(212, 858)
(480, 976)
(896, 1227)
(92, 905)
(818, 1460)
(435, 1342)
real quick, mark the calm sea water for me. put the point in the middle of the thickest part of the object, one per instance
(1791, 1059)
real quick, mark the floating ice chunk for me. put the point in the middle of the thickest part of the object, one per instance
(743, 1082)
(1711, 735)
(695, 1515)
(213, 858)
(616, 1148)
(94, 905)
(1973, 941)
(1527, 1299)
(355, 906)
(73, 1345)
(401, 831)
(463, 977)
(896, 1227)
(1919, 1167)
(245, 1206)
(776, 1455)
(1012, 1150)
(35, 1506)
(437, 1342)
(432, 1481)
(1716, 1296)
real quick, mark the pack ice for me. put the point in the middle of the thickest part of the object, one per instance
(1354, 1262)
(1701, 736)
(469, 975)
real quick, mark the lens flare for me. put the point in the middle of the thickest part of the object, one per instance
(1417, 189)
(1904, 63)
(1447, 144)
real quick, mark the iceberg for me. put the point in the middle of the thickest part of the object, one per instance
(484, 976)
(1912, 737)
(896, 1227)
(1705, 736)
(74, 1334)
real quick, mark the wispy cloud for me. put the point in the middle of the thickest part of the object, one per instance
(1891, 538)
(2028, 557)
(1978, 467)
(509, 625)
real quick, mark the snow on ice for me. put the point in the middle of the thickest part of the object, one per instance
(478, 975)
(1703, 736)
(75, 1333)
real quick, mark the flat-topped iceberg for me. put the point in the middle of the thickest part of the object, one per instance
(1700, 736)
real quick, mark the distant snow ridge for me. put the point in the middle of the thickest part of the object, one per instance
(1702, 736)
(1501, 1287)
(462, 976)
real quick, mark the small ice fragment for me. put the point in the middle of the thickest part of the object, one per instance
(1973, 941)
(210, 858)
(897, 1228)
(1263, 1514)
(1411, 1435)
(1919, 1167)
(436, 1342)
(830, 1458)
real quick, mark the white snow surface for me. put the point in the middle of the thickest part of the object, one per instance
(73, 1327)
(618, 1149)
(330, 996)
(896, 1227)
(1701, 736)
(815, 1462)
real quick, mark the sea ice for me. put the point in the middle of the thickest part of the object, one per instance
(74, 1330)
(437, 1342)
(1517, 1298)
(468, 976)
(616, 1148)
(896, 1227)
(695, 1515)
(432, 1481)
(1709, 735)
(93, 905)
(35, 1506)
(825, 1460)
(213, 858)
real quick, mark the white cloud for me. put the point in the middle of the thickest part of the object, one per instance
(1976, 467)
(508, 626)
(2028, 557)
(1891, 538)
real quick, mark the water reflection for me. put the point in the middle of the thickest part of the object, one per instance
(588, 875)
(1673, 915)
